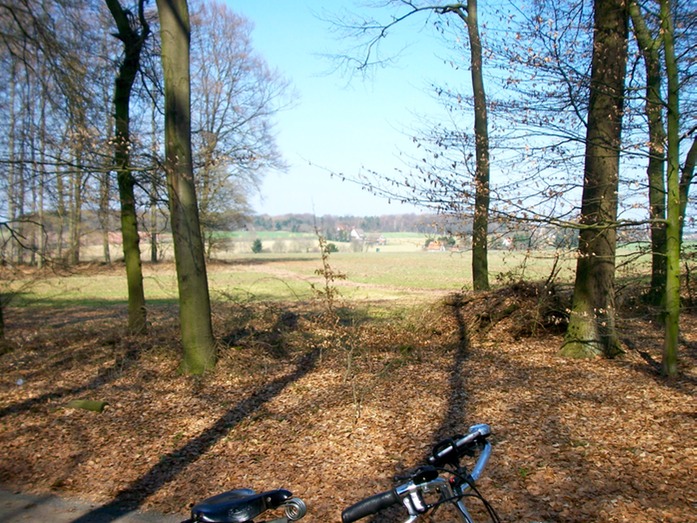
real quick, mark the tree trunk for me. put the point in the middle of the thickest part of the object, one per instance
(104, 210)
(12, 168)
(153, 228)
(75, 213)
(133, 44)
(480, 226)
(104, 219)
(42, 183)
(154, 258)
(688, 173)
(673, 228)
(61, 211)
(650, 48)
(194, 301)
(591, 329)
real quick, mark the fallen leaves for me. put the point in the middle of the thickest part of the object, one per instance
(599, 440)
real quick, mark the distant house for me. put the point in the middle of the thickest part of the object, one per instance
(435, 246)
(357, 235)
(375, 240)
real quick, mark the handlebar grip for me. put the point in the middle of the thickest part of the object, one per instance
(450, 450)
(369, 506)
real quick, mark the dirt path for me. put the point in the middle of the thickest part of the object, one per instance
(16, 507)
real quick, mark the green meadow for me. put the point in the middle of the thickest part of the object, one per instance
(379, 274)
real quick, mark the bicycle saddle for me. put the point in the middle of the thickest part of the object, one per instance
(237, 506)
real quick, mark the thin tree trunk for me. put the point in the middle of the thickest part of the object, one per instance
(34, 181)
(12, 167)
(75, 214)
(61, 211)
(104, 211)
(42, 185)
(154, 258)
(655, 170)
(133, 44)
(153, 228)
(104, 218)
(194, 301)
(591, 329)
(688, 173)
(22, 179)
(673, 228)
(480, 227)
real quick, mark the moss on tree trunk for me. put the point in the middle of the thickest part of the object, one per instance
(591, 329)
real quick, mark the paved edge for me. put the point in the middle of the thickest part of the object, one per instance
(18, 507)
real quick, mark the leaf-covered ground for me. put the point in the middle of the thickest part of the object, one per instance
(333, 410)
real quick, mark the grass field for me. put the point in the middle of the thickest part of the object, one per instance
(371, 275)
(286, 269)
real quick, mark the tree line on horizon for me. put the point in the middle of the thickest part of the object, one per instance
(308, 222)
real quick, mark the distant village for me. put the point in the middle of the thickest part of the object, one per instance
(441, 233)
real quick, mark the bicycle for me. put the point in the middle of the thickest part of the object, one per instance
(443, 480)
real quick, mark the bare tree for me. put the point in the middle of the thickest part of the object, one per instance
(467, 12)
(56, 165)
(235, 96)
(480, 224)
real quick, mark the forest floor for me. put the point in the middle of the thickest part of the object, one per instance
(333, 407)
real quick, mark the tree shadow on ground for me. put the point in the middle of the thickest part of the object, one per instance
(570, 468)
(104, 376)
(175, 462)
(654, 368)
(454, 418)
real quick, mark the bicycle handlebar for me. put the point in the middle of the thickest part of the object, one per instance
(444, 453)
(451, 450)
(481, 462)
(371, 505)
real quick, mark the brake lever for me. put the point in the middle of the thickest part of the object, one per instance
(422, 474)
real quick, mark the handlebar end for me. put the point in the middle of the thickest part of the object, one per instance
(369, 506)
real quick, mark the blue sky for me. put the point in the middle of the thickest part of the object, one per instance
(339, 123)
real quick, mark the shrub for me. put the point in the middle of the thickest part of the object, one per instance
(257, 246)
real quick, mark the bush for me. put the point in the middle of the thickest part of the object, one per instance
(257, 246)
